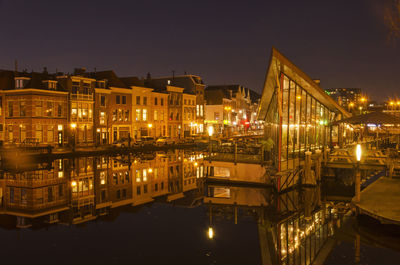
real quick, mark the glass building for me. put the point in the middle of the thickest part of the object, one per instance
(297, 113)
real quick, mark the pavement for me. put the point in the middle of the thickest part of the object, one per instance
(381, 200)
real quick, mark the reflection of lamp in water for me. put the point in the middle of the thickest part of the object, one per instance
(210, 233)
(210, 133)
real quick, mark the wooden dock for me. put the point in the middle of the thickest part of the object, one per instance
(381, 200)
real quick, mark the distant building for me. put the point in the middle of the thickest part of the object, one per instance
(192, 84)
(348, 98)
(230, 108)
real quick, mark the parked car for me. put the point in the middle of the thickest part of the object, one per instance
(124, 142)
(164, 141)
(147, 140)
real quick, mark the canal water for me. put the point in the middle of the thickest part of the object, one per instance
(160, 209)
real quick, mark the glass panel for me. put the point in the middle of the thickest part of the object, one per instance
(285, 106)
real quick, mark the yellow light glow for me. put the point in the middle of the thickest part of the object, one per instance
(73, 125)
(210, 233)
(391, 103)
(150, 170)
(358, 152)
(298, 97)
(73, 183)
(363, 99)
(195, 164)
(149, 125)
(210, 130)
(398, 102)
(102, 182)
(59, 127)
(351, 104)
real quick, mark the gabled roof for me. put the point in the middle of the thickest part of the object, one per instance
(279, 63)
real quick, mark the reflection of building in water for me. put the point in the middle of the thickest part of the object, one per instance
(293, 227)
(77, 190)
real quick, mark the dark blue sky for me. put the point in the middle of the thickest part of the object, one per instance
(344, 43)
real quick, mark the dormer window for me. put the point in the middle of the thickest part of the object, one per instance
(20, 82)
(50, 84)
(101, 84)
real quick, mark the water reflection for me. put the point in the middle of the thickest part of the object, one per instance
(72, 191)
(295, 227)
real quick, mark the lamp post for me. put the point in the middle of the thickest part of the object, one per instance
(210, 130)
(358, 173)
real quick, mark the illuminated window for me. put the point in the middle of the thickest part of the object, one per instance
(138, 114)
(144, 114)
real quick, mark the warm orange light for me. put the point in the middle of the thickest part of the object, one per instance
(363, 99)
(391, 103)
(398, 102)
(73, 183)
(351, 104)
(298, 97)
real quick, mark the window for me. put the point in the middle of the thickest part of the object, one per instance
(138, 114)
(39, 133)
(10, 109)
(216, 116)
(127, 115)
(144, 114)
(50, 134)
(138, 190)
(155, 101)
(118, 99)
(103, 101)
(22, 132)
(49, 110)
(59, 109)
(137, 100)
(155, 115)
(74, 110)
(114, 115)
(145, 101)
(12, 194)
(123, 99)
(201, 110)
(22, 109)
(162, 102)
(198, 110)
(162, 115)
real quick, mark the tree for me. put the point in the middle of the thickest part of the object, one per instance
(392, 19)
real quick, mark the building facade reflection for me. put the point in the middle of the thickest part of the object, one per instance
(77, 190)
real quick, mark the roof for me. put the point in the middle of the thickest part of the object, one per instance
(254, 96)
(7, 80)
(112, 79)
(132, 81)
(279, 63)
(372, 118)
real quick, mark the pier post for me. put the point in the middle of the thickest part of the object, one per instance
(357, 183)
(307, 168)
(357, 249)
(318, 165)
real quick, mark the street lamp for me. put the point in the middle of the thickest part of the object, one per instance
(150, 126)
(210, 130)
(358, 173)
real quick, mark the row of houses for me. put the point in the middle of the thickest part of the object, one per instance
(94, 108)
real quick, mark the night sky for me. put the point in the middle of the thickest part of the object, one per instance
(344, 43)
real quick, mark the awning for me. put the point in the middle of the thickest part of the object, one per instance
(371, 118)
